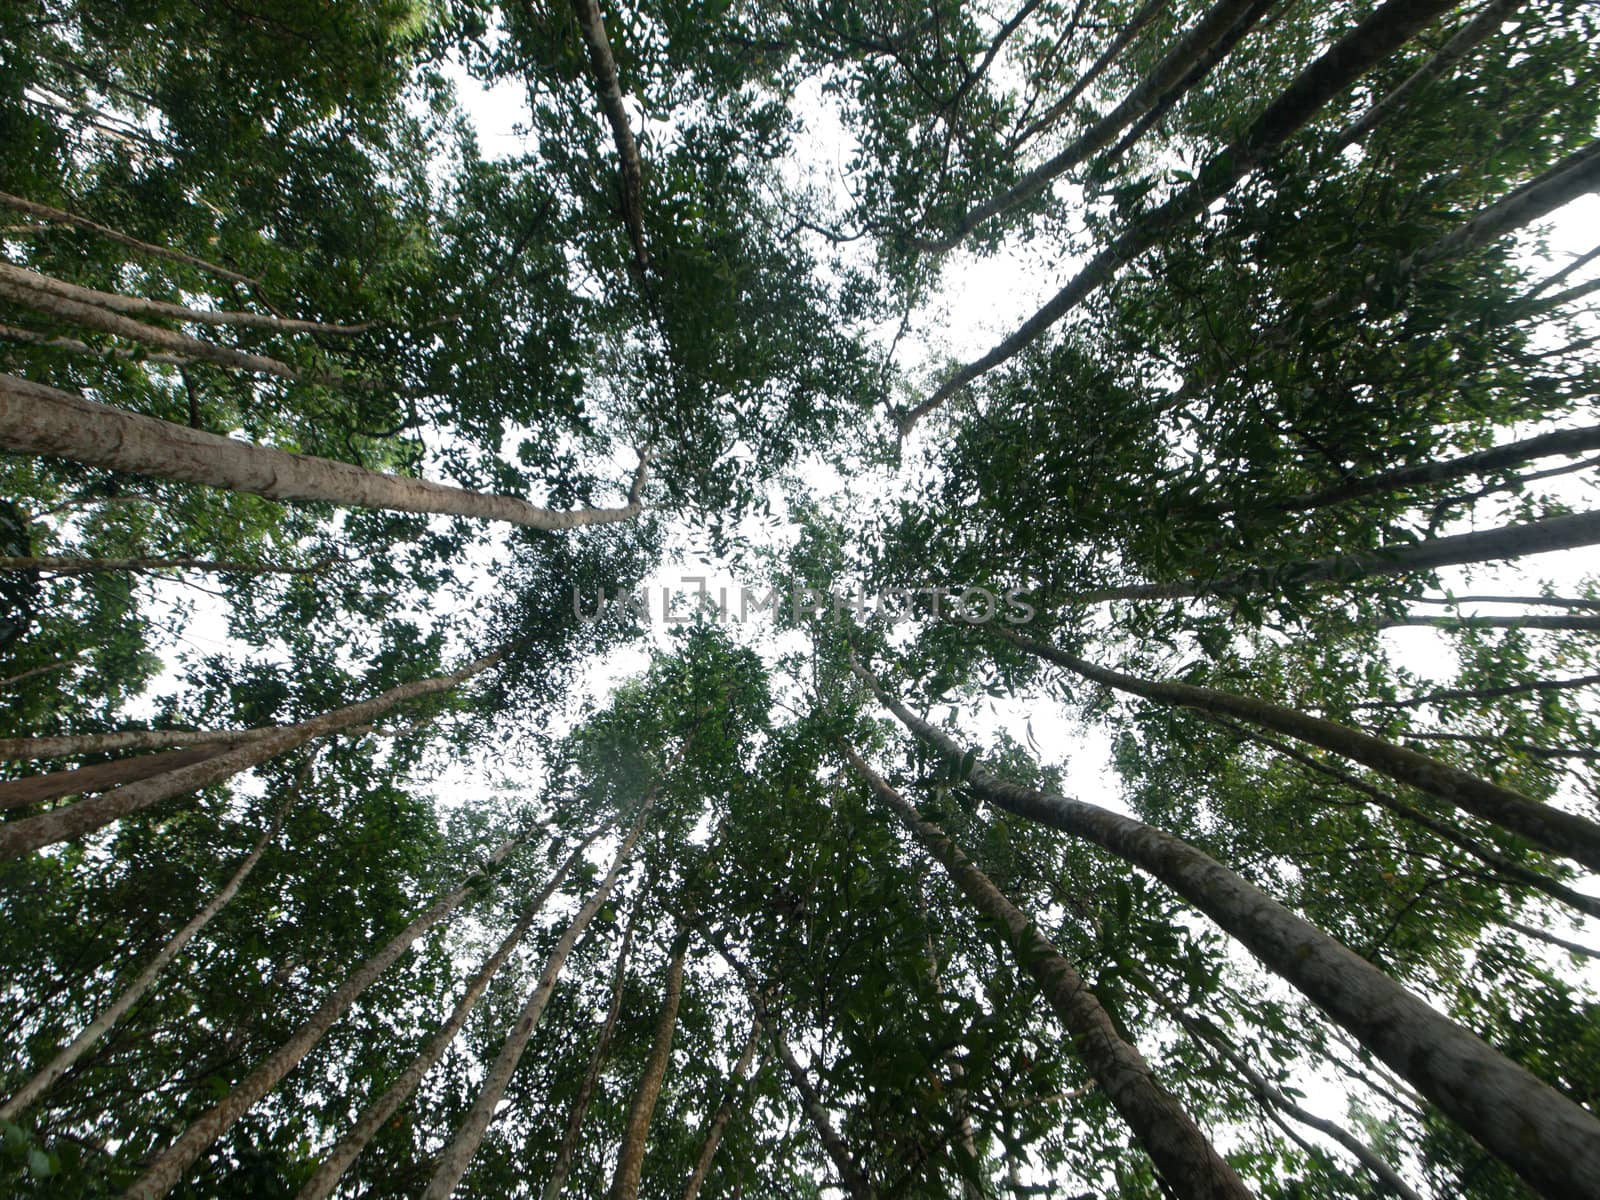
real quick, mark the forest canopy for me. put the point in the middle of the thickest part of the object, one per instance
(792, 600)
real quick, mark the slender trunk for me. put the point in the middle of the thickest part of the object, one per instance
(1527, 621)
(1183, 1156)
(1381, 33)
(67, 565)
(22, 278)
(1542, 1135)
(343, 1156)
(1485, 693)
(77, 745)
(47, 213)
(1480, 462)
(74, 820)
(1544, 935)
(1511, 870)
(1170, 73)
(591, 1078)
(99, 777)
(103, 320)
(1567, 532)
(630, 1157)
(1561, 832)
(724, 1114)
(1466, 39)
(1526, 601)
(63, 1062)
(853, 1179)
(72, 345)
(604, 67)
(173, 1163)
(42, 420)
(463, 1145)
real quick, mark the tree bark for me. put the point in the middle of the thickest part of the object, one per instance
(1170, 73)
(1543, 1136)
(1548, 827)
(1568, 622)
(591, 1078)
(63, 1062)
(1382, 32)
(1183, 1156)
(30, 833)
(343, 1156)
(77, 745)
(630, 1157)
(22, 278)
(37, 419)
(47, 213)
(170, 1166)
(723, 1115)
(29, 337)
(98, 777)
(463, 1145)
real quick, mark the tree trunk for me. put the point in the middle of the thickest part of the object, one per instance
(103, 320)
(604, 67)
(1546, 826)
(98, 777)
(1381, 33)
(591, 1078)
(1566, 621)
(463, 1145)
(1183, 1156)
(63, 1062)
(630, 1157)
(170, 1166)
(343, 1156)
(72, 345)
(1542, 1135)
(46, 212)
(36, 419)
(20, 278)
(77, 745)
(724, 1114)
(1168, 75)
(30, 833)
(1566, 532)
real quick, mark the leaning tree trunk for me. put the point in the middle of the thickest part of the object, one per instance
(463, 1145)
(37, 419)
(98, 777)
(630, 1157)
(1542, 1135)
(723, 1115)
(30, 833)
(63, 1062)
(1183, 1156)
(591, 1078)
(603, 65)
(343, 1156)
(1561, 832)
(170, 1166)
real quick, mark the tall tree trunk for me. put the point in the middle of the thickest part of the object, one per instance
(1380, 34)
(33, 281)
(173, 1163)
(458, 1154)
(1168, 75)
(852, 1177)
(56, 341)
(604, 68)
(1542, 1135)
(1546, 826)
(36, 419)
(343, 1156)
(78, 744)
(630, 1157)
(1183, 1156)
(74, 820)
(1567, 532)
(724, 1115)
(1566, 621)
(63, 1062)
(48, 213)
(98, 777)
(591, 1077)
